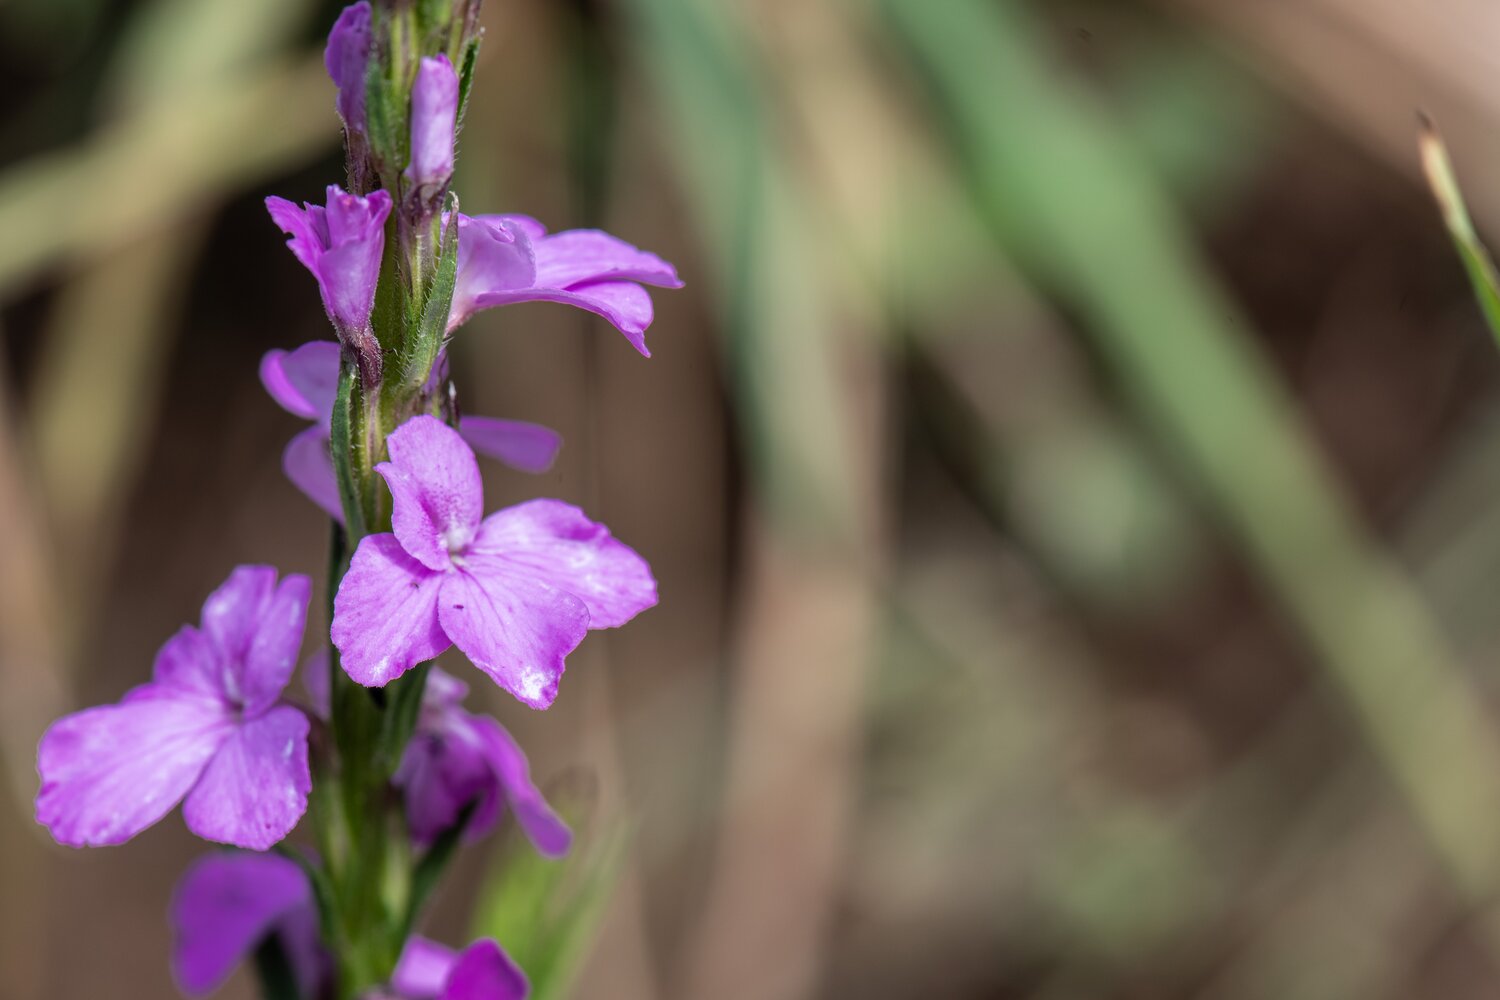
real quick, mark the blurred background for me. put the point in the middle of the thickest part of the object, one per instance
(1072, 471)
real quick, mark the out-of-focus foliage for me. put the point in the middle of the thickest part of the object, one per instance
(1069, 471)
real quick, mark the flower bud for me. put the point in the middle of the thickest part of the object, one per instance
(346, 56)
(434, 116)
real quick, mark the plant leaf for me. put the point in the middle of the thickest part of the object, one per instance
(1477, 261)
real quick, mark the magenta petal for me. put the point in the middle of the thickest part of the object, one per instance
(441, 773)
(434, 114)
(188, 663)
(556, 544)
(514, 627)
(271, 657)
(484, 972)
(443, 690)
(578, 256)
(516, 223)
(225, 905)
(304, 381)
(423, 968)
(255, 789)
(436, 490)
(521, 445)
(623, 303)
(255, 626)
(542, 826)
(494, 254)
(274, 377)
(385, 618)
(308, 463)
(346, 56)
(316, 681)
(304, 225)
(232, 612)
(108, 773)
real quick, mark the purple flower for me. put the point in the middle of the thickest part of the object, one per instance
(227, 904)
(456, 757)
(341, 245)
(516, 592)
(305, 381)
(482, 971)
(504, 259)
(346, 56)
(434, 115)
(208, 729)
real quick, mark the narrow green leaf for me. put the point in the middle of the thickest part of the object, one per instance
(466, 76)
(1477, 261)
(403, 704)
(343, 453)
(322, 888)
(427, 340)
(430, 869)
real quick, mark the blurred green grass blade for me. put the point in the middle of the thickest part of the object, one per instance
(784, 348)
(1067, 194)
(545, 913)
(1477, 261)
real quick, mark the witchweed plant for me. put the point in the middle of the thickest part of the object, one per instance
(393, 772)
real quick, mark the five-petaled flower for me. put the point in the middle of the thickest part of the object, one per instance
(515, 591)
(208, 728)
(455, 758)
(305, 381)
(505, 259)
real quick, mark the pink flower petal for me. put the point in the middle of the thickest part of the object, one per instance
(484, 972)
(542, 826)
(423, 968)
(385, 618)
(316, 681)
(304, 381)
(556, 544)
(580, 256)
(309, 465)
(255, 626)
(623, 303)
(305, 226)
(521, 445)
(515, 222)
(493, 254)
(232, 611)
(110, 772)
(188, 663)
(255, 789)
(272, 655)
(227, 904)
(514, 627)
(435, 486)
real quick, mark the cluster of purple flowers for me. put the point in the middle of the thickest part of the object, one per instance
(514, 590)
